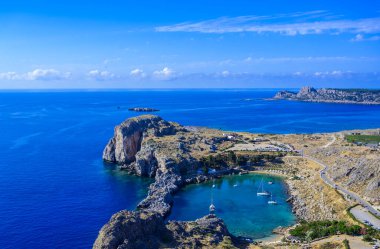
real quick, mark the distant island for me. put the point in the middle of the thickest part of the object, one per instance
(330, 95)
(142, 109)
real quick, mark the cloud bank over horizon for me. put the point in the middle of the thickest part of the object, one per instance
(190, 44)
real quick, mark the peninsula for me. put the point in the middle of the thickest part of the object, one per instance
(330, 95)
(175, 155)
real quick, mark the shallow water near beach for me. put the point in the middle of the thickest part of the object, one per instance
(55, 192)
(236, 201)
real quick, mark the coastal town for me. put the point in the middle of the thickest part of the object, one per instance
(321, 171)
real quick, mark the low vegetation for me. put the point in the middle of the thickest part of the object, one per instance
(308, 231)
(230, 158)
(346, 244)
(363, 138)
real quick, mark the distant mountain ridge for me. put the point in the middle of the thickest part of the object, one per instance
(331, 95)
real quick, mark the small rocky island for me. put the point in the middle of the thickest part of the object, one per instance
(175, 155)
(330, 95)
(142, 109)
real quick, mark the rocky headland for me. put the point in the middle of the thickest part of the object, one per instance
(150, 146)
(175, 155)
(329, 95)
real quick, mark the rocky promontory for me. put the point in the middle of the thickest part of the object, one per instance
(329, 95)
(150, 146)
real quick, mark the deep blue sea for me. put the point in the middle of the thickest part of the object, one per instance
(55, 191)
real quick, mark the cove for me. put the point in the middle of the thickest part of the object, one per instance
(237, 203)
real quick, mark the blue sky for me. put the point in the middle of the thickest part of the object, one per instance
(177, 44)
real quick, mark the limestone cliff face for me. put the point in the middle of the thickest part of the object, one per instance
(128, 136)
(350, 96)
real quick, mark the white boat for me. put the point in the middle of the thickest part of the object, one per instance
(213, 185)
(265, 193)
(271, 201)
(261, 191)
(212, 208)
(270, 182)
(235, 185)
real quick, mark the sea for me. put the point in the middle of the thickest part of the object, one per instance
(55, 191)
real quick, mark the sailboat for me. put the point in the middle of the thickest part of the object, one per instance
(261, 191)
(271, 201)
(212, 206)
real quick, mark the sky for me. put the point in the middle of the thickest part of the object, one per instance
(189, 44)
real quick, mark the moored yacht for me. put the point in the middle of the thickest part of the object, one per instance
(271, 201)
(261, 191)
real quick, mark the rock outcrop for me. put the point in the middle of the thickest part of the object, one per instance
(128, 229)
(345, 96)
(135, 230)
(128, 136)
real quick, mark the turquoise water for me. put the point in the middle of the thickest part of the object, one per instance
(236, 201)
(55, 191)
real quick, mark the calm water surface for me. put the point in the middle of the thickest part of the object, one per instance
(55, 191)
(236, 201)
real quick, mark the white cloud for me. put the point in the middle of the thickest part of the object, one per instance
(47, 74)
(10, 76)
(100, 75)
(335, 73)
(314, 22)
(248, 59)
(164, 74)
(37, 74)
(137, 73)
(111, 60)
(360, 37)
(226, 73)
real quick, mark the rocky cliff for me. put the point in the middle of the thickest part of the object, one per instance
(348, 96)
(128, 136)
(149, 146)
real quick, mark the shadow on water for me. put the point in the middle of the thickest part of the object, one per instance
(122, 179)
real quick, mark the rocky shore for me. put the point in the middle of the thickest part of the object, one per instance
(328, 95)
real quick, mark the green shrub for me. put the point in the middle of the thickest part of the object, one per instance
(308, 231)
(346, 244)
(367, 238)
